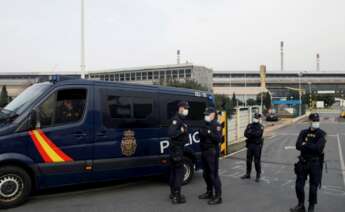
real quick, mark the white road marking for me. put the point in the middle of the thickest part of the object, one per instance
(289, 147)
(341, 158)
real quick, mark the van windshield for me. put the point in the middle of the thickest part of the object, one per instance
(21, 102)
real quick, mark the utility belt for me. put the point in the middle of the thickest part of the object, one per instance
(309, 159)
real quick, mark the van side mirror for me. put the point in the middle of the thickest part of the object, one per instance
(33, 119)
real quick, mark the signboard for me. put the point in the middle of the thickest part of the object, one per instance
(286, 102)
(326, 92)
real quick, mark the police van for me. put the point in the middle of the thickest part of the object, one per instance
(65, 132)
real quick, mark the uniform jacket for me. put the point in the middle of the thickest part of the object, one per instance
(253, 133)
(210, 135)
(178, 137)
(311, 143)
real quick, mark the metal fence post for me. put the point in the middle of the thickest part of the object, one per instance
(238, 127)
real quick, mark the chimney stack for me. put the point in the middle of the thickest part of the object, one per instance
(317, 62)
(281, 55)
(178, 56)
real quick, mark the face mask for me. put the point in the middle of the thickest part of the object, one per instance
(256, 120)
(185, 112)
(207, 119)
(315, 125)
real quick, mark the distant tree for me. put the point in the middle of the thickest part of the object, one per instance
(3, 97)
(234, 100)
(329, 99)
(191, 84)
(224, 103)
(251, 102)
(266, 100)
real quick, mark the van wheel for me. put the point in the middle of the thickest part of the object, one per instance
(15, 186)
(188, 166)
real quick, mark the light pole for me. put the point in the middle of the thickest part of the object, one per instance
(310, 100)
(82, 44)
(300, 93)
(245, 85)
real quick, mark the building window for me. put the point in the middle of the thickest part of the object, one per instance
(116, 77)
(132, 76)
(174, 74)
(188, 73)
(101, 77)
(112, 77)
(149, 75)
(144, 76)
(127, 76)
(162, 74)
(156, 75)
(138, 76)
(168, 73)
(181, 73)
(122, 76)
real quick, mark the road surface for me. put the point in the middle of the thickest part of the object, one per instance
(275, 193)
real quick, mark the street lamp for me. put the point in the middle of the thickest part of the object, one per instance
(300, 93)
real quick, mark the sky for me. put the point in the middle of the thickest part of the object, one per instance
(44, 35)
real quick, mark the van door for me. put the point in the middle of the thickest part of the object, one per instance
(127, 135)
(63, 140)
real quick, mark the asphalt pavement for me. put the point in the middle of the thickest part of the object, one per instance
(275, 192)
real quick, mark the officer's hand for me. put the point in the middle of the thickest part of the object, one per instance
(304, 143)
(182, 129)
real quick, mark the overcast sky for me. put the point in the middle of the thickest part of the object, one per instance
(220, 34)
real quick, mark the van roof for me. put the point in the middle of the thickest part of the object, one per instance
(164, 89)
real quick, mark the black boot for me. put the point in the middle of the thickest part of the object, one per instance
(298, 208)
(207, 195)
(246, 176)
(178, 198)
(171, 196)
(216, 200)
(258, 176)
(311, 208)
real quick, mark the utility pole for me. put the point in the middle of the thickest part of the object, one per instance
(300, 93)
(82, 44)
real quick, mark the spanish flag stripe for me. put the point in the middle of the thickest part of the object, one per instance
(48, 149)
(54, 147)
(39, 148)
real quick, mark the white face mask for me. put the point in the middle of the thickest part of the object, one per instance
(315, 125)
(256, 120)
(207, 118)
(185, 112)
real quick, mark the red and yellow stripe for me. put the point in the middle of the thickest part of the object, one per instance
(49, 152)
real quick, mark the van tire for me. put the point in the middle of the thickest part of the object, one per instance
(189, 170)
(15, 186)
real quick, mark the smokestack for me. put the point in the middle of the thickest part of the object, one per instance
(178, 56)
(281, 55)
(317, 62)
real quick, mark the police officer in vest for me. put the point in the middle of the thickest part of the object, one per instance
(254, 142)
(178, 133)
(210, 139)
(311, 143)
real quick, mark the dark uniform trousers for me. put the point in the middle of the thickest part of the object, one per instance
(210, 138)
(176, 170)
(178, 133)
(311, 144)
(304, 169)
(254, 143)
(254, 152)
(210, 162)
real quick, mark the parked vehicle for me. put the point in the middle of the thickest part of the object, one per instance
(69, 132)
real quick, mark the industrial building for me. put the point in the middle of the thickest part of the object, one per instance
(156, 74)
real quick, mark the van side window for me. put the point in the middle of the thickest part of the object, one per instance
(119, 107)
(124, 110)
(63, 107)
(142, 107)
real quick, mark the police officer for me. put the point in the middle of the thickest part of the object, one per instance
(178, 133)
(67, 112)
(311, 143)
(210, 139)
(254, 142)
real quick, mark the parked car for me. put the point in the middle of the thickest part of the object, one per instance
(272, 117)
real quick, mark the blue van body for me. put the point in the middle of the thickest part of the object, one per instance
(133, 142)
